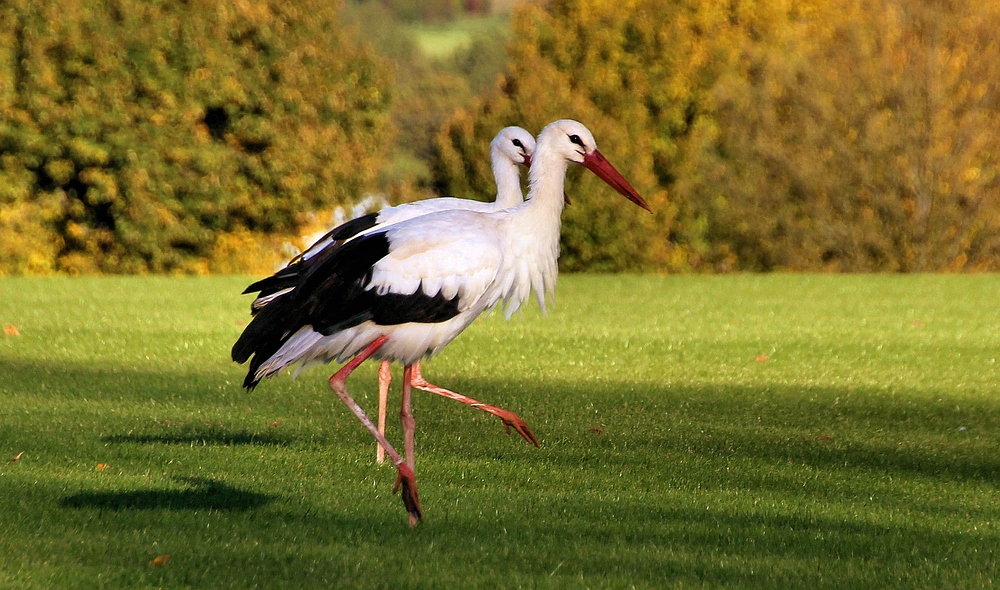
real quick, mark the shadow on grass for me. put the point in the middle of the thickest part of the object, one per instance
(591, 525)
(71, 381)
(870, 431)
(210, 436)
(203, 494)
(541, 540)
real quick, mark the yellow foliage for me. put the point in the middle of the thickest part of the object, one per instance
(26, 247)
(820, 134)
(244, 252)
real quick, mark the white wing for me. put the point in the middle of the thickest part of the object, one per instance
(451, 252)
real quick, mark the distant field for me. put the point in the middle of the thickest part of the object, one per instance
(780, 431)
(442, 40)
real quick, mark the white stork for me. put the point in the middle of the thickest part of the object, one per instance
(512, 146)
(405, 291)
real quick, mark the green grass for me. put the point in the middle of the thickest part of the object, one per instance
(442, 40)
(864, 453)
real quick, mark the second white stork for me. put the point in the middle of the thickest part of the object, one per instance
(511, 147)
(404, 292)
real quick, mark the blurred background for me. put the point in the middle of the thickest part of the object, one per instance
(142, 136)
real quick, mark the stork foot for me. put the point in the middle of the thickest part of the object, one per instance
(509, 419)
(408, 482)
(512, 420)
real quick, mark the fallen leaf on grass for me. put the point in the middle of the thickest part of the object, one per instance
(11, 330)
(161, 560)
(15, 458)
(596, 430)
(762, 358)
(824, 438)
(917, 324)
(102, 466)
(275, 424)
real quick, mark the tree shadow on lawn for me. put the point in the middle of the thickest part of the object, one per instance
(555, 542)
(79, 380)
(62, 382)
(596, 535)
(202, 494)
(655, 544)
(207, 436)
(866, 429)
(823, 427)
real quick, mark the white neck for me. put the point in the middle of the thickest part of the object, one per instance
(532, 231)
(508, 181)
(547, 182)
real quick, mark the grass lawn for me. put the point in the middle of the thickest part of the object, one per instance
(779, 431)
(441, 40)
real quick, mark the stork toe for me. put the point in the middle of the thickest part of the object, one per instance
(512, 420)
(407, 481)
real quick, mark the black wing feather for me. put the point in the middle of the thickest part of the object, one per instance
(329, 294)
(288, 276)
(334, 274)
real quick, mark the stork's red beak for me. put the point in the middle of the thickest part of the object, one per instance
(599, 165)
(527, 161)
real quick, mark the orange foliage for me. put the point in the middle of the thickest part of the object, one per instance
(826, 134)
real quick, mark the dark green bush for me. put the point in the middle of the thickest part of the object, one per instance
(134, 135)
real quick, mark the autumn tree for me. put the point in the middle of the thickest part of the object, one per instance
(865, 138)
(826, 134)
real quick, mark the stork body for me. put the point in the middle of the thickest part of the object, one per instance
(512, 146)
(403, 292)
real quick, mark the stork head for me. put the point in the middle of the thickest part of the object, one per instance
(514, 144)
(576, 143)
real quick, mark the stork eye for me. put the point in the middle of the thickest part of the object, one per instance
(576, 139)
(518, 143)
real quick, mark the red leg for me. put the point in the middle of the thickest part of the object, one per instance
(406, 479)
(510, 419)
(384, 378)
(406, 419)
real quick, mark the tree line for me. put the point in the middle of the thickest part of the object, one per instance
(830, 135)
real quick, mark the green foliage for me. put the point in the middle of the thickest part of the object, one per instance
(423, 10)
(831, 134)
(428, 85)
(861, 454)
(483, 58)
(134, 134)
(571, 60)
(846, 135)
(423, 94)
